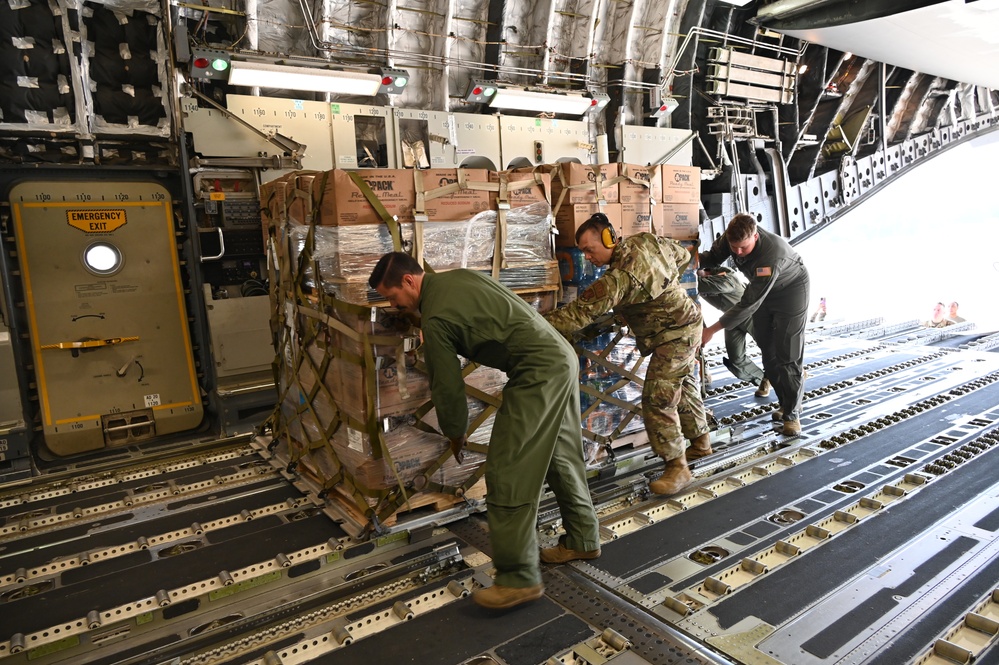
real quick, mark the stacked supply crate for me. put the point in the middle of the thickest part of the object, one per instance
(355, 414)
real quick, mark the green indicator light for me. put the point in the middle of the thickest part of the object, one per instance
(220, 65)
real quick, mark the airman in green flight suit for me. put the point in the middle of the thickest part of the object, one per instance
(642, 285)
(536, 436)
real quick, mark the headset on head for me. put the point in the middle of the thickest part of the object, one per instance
(608, 236)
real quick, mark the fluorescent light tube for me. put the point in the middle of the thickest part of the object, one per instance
(539, 102)
(266, 75)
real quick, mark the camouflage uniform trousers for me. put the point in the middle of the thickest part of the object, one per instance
(671, 400)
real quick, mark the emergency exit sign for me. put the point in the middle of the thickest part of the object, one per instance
(96, 221)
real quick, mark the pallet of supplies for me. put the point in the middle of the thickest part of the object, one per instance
(354, 416)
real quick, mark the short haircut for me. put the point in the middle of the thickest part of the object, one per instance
(742, 227)
(390, 269)
(597, 222)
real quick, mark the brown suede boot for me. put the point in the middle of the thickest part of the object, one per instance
(499, 597)
(699, 447)
(675, 477)
(562, 554)
(763, 390)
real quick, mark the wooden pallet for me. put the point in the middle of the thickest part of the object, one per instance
(420, 504)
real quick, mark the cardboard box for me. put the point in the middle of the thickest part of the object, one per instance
(581, 183)
(571, 216)
(681, 221)
(640, 183)
(522, 196)
(460, 205)
(341, 203)
(681, 184)
(641, 218)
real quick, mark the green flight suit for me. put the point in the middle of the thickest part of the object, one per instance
(536, 435)
(723, 291)
(642, 285)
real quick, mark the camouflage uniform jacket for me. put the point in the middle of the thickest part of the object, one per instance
(642, 285)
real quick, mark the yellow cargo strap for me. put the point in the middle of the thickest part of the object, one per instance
(389, 220)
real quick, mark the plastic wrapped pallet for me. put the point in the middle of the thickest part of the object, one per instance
(346, 255)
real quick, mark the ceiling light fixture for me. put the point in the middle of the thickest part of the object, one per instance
(515, 99)
(315, 79)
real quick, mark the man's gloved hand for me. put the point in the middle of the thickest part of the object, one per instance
(457, 446)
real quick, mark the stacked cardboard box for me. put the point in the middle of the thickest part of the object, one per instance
(355, 413)
(681, 201)
(661, 199)
(451, 218)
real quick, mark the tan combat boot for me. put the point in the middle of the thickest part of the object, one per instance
(562, 554)
(764, 389)
(675, 477)
(499, 597)
(699, 447)
(791, 428)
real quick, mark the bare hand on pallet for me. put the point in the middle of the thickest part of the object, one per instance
(457, 446)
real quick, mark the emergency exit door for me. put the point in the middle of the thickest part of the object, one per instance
(106, 313)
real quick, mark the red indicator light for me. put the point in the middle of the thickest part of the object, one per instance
(201, 63)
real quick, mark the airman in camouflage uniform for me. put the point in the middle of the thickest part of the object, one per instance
(642, 285)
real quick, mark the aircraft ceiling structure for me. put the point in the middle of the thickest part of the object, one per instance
(937, 57)
(812, 124)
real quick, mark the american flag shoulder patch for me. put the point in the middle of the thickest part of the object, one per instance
(765, 271)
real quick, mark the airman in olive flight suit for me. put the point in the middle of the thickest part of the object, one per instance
(536, 436)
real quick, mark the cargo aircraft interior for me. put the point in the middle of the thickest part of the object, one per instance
(217, 443)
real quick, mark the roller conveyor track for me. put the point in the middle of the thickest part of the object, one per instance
(867, 539)
(120, 530)
(116, 582)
